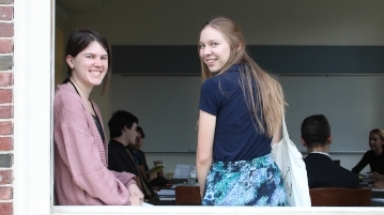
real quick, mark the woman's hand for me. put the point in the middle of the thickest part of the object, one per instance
(379, 184)
(135, 201)
(136, 196)
(377, 177)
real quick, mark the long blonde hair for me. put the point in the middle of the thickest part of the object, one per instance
(268, 103)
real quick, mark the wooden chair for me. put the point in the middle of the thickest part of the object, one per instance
(340, 196)
(187, 195)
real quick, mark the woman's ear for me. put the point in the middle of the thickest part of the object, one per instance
(69, 59)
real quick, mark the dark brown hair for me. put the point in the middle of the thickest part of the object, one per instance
(79, 41)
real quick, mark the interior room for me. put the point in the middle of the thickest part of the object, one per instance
(345, 87)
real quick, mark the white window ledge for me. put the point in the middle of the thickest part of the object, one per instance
(214, 210)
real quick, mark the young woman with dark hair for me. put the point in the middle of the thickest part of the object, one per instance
(81, 173)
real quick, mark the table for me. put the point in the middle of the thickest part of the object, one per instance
(377, 193)
(171, 200)
(157, 202)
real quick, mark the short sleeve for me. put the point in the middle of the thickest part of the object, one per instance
(210, 96)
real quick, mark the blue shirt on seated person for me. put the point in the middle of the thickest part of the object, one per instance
(141, 161)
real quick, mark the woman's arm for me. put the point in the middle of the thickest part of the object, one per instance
(81, 156)
(363, 162)
(206, 133)
(80, 152)
(277, 136)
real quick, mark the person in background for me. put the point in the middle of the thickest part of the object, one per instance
(138, 155)
(81, 173)
(122, 127)
(375, 156)
(241, 111)
(321, 170)
(141, 162)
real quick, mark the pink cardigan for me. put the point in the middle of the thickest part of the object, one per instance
(81, 174)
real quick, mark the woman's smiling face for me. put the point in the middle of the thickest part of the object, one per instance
(90, 65)
(214, 49)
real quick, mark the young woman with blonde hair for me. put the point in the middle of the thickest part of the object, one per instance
(241, 110)
(375, 156)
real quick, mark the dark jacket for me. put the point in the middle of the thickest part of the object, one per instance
(120, 161)
(323, 172)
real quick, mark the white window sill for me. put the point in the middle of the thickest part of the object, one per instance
(212, 210)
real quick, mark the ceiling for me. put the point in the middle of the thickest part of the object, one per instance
(80, 6)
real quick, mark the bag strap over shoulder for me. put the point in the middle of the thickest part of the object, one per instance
(285, 130)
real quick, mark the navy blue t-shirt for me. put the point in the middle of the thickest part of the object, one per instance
(235, 135)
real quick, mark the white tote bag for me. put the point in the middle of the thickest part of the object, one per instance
(292, 167)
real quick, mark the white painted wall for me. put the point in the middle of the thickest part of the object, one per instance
(265, 22)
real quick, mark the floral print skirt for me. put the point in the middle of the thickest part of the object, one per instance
(256, 182)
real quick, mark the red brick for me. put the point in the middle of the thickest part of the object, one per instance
(6, 128)
(6, 45)
(6, 29)
(6, 79)
(6, 208)
(6, 12)
(6, 144)
(6, 177)
(5, 192)
(6, 112)
(5, 96)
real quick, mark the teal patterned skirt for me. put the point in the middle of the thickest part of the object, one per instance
(256, 182)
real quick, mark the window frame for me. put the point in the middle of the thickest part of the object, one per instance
(34, 24)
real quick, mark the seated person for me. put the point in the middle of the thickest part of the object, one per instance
(375, 156)
(321, 170)
(122, 127)
(141, 161)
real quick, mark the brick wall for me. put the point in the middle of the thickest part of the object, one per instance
(6, 107)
